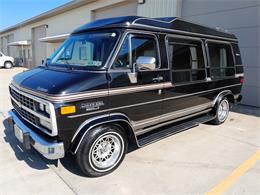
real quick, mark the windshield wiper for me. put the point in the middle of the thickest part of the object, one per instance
(68, 65)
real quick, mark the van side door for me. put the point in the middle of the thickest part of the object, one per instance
(187, 60)
(140, 100)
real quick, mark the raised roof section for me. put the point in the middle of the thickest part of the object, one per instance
(165, 24)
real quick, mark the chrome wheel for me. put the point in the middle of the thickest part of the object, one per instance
(223, 110)
(106, 151)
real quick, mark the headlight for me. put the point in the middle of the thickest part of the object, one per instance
(44, 108)
(41, 106)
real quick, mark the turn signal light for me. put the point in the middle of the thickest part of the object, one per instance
(67, 110)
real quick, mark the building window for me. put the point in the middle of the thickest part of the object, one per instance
(29, 54)
(133, 47)
(186, 60)
(221, 60)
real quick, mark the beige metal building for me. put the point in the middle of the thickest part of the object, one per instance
(37, 38)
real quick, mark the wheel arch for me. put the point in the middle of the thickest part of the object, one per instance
(9, 61)
(12, 64)
(227, 93)
(118, 119)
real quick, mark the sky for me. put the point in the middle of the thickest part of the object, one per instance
(15, 11)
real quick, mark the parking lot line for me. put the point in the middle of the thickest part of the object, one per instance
(235, 175)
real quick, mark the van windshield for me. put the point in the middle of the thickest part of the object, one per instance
(88, 51)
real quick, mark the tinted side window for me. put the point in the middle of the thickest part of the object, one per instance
(186, 59)
(123, 59)
(140, 46)
(144, 47)
(221, 60)
(220, 55)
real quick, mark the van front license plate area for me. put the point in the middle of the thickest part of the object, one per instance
(18, 133)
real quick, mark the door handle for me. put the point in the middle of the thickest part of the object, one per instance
(158, 79)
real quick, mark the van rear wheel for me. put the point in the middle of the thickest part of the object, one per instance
(222, 112)
(102, 150)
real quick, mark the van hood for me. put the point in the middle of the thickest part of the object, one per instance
(60, 81)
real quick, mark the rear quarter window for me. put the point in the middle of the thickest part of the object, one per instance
(221, 60)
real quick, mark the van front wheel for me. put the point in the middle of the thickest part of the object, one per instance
(221, 112)
(101, 150)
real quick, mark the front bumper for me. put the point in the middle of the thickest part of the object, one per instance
(50, 150)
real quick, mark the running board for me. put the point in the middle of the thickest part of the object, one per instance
(166, 131)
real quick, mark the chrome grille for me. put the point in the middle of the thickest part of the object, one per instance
(27, 108)
(25, 101)
(17, 99)
(33, 119)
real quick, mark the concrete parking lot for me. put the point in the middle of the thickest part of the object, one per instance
(203, 160)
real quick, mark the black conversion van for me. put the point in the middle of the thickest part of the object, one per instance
(125, 80)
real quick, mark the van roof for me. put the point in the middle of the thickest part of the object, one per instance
(166, 24)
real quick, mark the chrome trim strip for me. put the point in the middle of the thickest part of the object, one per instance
(153, 19)
(170, 116)
(91, 127)
(149, 87)
(181, 19)
(239, 75)
(142, 131)
(150, 102)
(86, 122)
(117, 91)
(184, 32)
(47, 149)
(113, 109)
(101, 93)
(205, 91)
(95, 118)
(51, 106)
(227, 32)
(216, 98)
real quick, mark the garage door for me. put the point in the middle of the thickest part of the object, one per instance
(38, 48)
(128, 8)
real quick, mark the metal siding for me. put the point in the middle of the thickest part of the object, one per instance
(123, 9)
(5, 42)
(160, 8)
(2, 42)
(243, 19)
(10, 49)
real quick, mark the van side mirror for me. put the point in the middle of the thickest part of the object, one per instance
(145, 63)
(46, 61)
(142, 63)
